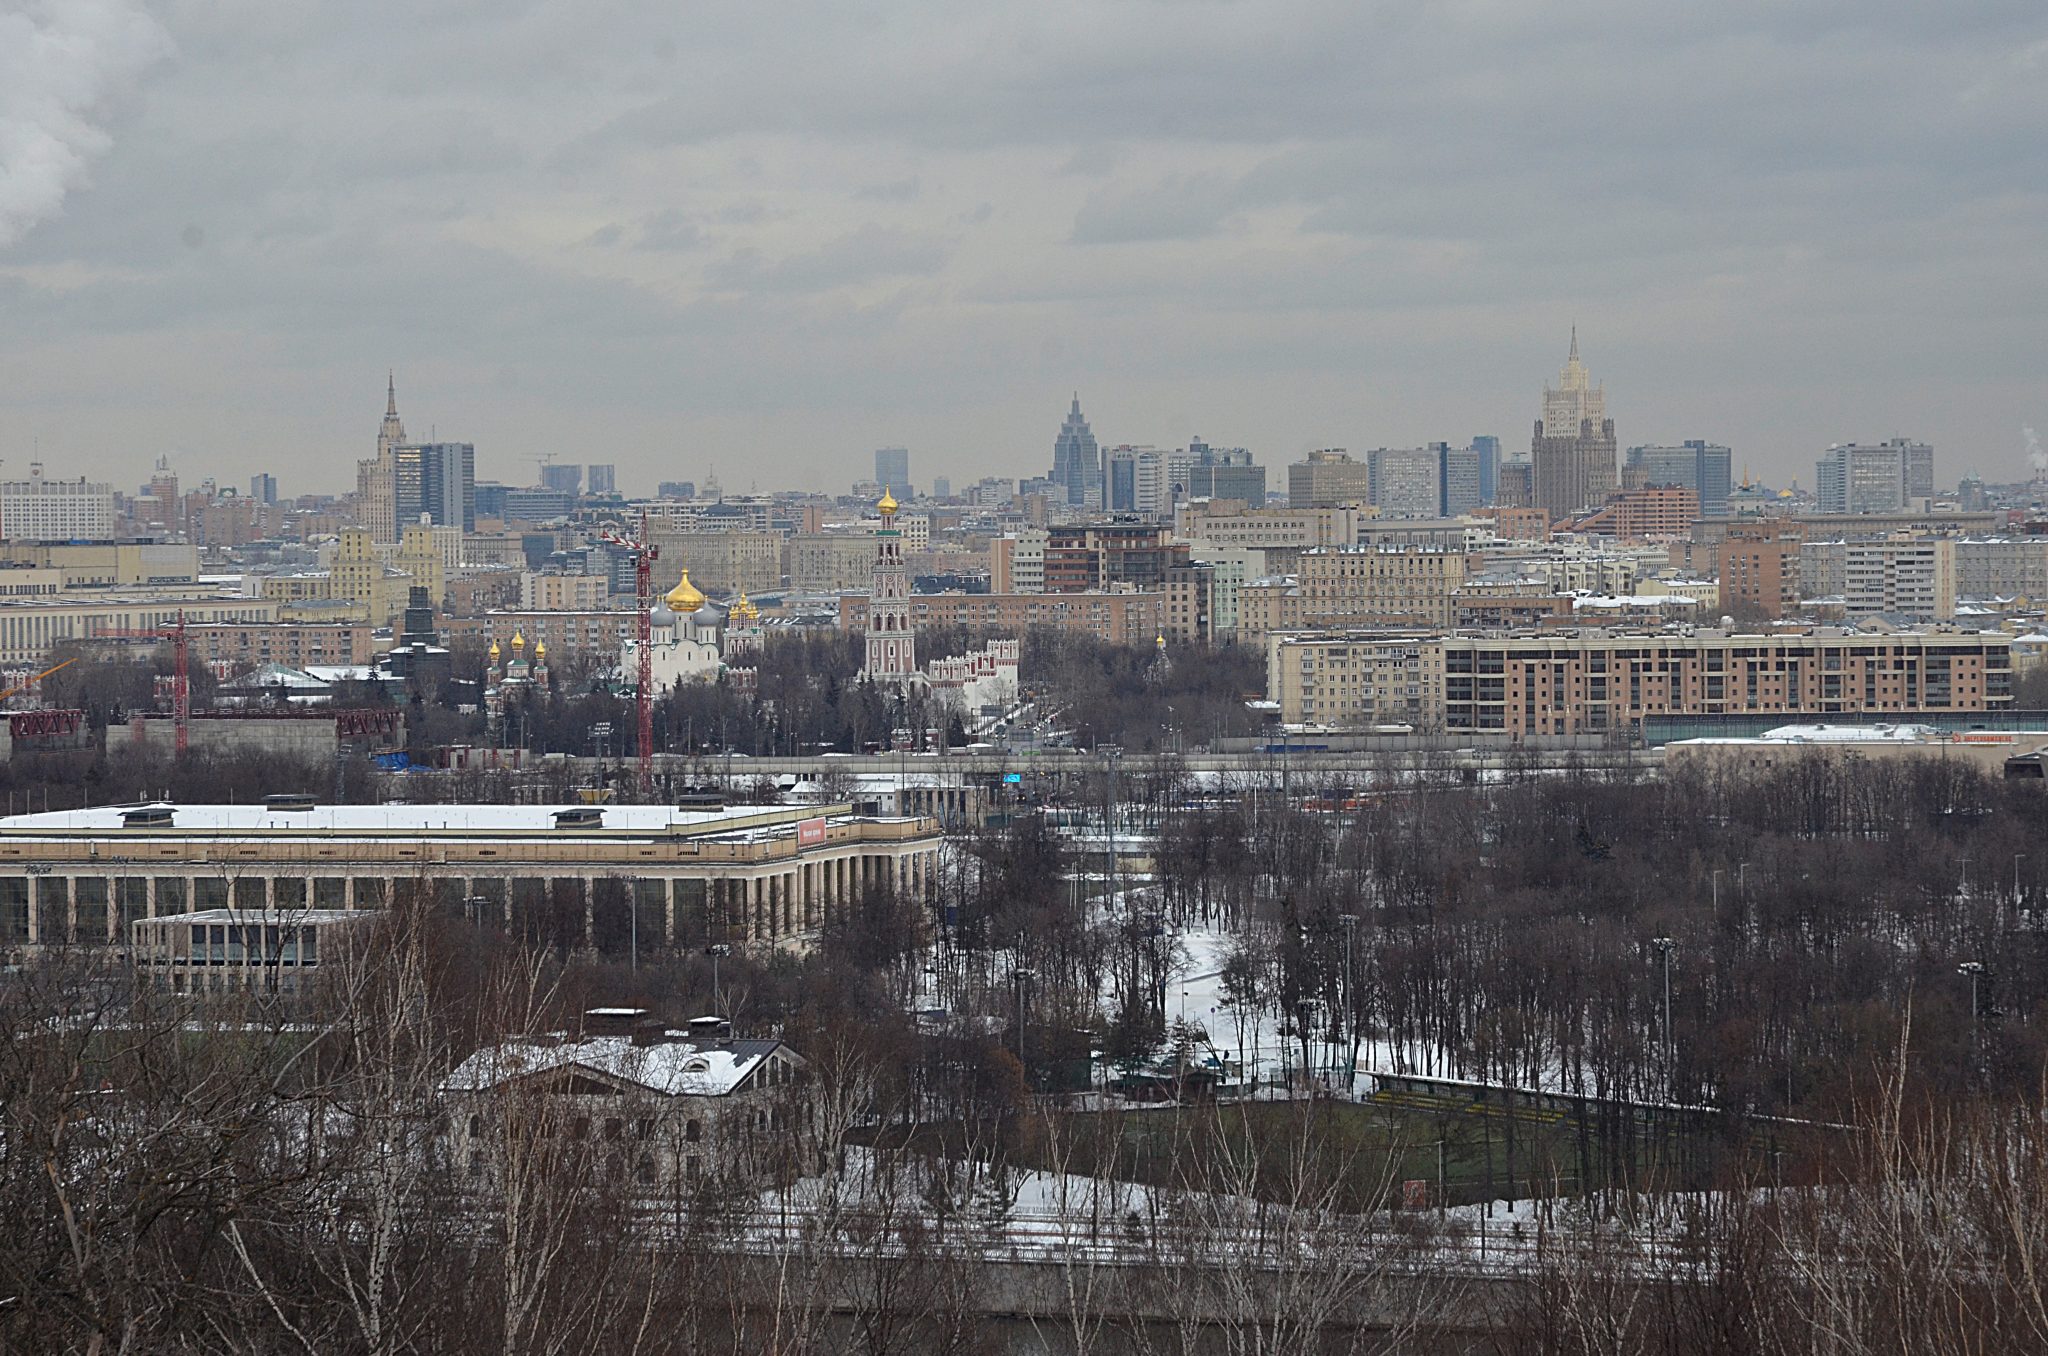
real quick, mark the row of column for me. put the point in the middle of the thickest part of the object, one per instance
(762, 905)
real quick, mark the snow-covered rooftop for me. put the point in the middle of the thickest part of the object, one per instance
(376, 821)
(675, 1066)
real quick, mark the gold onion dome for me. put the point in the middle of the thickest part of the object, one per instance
(495, 651)
(744, 609)
(518, 641)
(684, 597)
(540, 649)
(887, 503)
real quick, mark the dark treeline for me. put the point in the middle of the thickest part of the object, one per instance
(807, 697)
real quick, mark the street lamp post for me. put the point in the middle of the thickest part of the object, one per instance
(1973, 969)
(1664, 946)
(1023, 974)
(1350, 922)
(716, 949)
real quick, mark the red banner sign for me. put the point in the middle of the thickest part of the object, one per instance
(810, 833)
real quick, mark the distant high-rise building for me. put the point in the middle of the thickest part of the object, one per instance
(1874, 478)
(535, 505)
(562, 477)
(1573, 450)
(1458, 479)
(1137, 481)
(1220, 473)
(1488, 449)
(1697, 465)
(376, 478)
(942, 488)
(263, 488)
(1077, 459)
(603, 478)
(1404, 481)
(163, 489)
(38, 509)
(892, 470)
(676, 489)
(1515, 484)
(438, 480)
(1328, 478)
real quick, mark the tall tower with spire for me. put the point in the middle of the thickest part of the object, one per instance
(1076, 460)
(892, 643)
(1573, 450)
(377, 477)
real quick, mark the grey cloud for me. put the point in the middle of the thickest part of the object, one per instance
(900, 190)
(867, 254)
(1323, 217)
(1179, 209)
(670, 230)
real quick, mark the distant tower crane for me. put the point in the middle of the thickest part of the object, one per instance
(644, 554)
(181, 686)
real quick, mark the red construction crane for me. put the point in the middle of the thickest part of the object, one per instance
(181, 687)
(644, 554)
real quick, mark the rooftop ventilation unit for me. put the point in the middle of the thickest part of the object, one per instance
(580, 817)
(288, 804)
(148, 817)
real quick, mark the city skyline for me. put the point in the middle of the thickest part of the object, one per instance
(245, 215)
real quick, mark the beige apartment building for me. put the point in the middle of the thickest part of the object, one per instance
(1380, 586)
(1268, 606)
(568, 635)
(563, 592)
(1135, 618)
(828, 562)
(294, 645)
(1227, 522)
(1594, 682)
(108, 564)
(724, 562)
(30, 626)
(1357, 679)
(1327, 478)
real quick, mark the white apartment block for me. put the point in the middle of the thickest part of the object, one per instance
(40, 509)
(1899, 576)
(1017, 562)
(1405, 481)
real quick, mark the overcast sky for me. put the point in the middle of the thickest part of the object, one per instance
(768, 238)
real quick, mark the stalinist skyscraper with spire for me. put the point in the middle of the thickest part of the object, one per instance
(1574, 451)
(377, 478)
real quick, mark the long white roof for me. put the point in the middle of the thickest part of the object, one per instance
(397, 820)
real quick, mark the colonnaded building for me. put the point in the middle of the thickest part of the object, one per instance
(599, 877)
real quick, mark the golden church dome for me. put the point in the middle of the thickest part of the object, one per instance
(495, 651)
(744, 609)
(518, 641)
(684, 597)
(887, 503)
